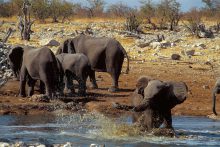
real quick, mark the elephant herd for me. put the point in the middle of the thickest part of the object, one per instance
(78, 58)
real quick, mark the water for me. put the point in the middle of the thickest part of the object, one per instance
(83, 130)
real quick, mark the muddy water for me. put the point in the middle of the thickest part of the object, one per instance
(85, 129)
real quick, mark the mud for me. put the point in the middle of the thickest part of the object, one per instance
(199, 78)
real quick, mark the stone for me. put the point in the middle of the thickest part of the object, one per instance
(4, 144)
(155, 45)
(189, 52)
(205, 87)
(68, 144)
(49, 42)
(175, 57)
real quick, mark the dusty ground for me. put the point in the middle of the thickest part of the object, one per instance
(196, 76)
(144, 61)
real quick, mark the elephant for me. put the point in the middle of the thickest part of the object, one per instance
(216, 90)
(104, 54)
(153, 100)
(32, 64)
(77, 67)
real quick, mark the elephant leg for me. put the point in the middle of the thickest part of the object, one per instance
(23, 75)
(69, 84)
(115, 77)
(92, 79)
(48, 84)
(82, 87)
(168, 120)
(31, 82)
(42, 88)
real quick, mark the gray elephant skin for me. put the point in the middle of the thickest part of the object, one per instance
(30, 64)
(76, 67)
(104, 54)
(153, 100)
(216, 90)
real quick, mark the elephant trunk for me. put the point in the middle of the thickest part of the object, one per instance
(214, 101)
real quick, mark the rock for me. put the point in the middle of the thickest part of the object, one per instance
(41, 145)
(49, 42)
(39, 98)
(20, 144)
(188, 52)
(205, 87)
(201, 45)
(93, 145)
(175, 57)
(4, 144)
(155, 45)
(68, 144)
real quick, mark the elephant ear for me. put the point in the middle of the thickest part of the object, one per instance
(15, 57)
(154, 88)
(180, 90)
(66, 47)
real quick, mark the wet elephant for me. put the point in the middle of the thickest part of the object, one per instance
(30, 64)
(153, 100)
(104, 54)
(77, 67)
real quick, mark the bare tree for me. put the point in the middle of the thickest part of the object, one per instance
(40, 9)
(25, 23)
(96, 7)
(118, 9)
(168, 11)
(148, 10)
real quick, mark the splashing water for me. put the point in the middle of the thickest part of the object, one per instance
(85, 129)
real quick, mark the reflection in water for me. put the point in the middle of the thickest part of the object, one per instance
(82, 130)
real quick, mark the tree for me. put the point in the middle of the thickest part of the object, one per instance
(55, 9)
(40, 9)
(168, 11)
(96, 7)
(119, 9)
(67, 9)
(148, 10)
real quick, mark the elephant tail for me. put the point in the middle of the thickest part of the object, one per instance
(122, 107)
(128, 60)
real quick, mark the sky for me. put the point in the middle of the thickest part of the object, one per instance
(185, 4)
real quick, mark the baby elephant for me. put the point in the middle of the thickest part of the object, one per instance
(77, 67)
(153, 100)
(30, 64)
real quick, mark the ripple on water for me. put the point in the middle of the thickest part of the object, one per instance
(84, 129)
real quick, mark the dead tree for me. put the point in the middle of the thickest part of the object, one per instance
(132, 23)
(25, 23)
(5, 39)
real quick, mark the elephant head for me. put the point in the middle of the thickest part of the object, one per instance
(142, 83)
(215, 91)
(163, 95)
(15, 57)
(67, 47)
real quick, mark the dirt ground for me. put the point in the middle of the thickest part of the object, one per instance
(199, 78)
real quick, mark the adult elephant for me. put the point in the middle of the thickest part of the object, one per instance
(77, 67)
(216, 90)
(104, 54)
(30, 64)
(153, 101)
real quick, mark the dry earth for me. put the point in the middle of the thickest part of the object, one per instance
(193, 70)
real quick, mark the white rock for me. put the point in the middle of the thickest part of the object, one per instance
(4, 144)
(68, 144)
(155, 45)
(49, 42)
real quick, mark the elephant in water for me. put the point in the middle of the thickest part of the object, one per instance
(216, 90)
(77, 67)
(30, 64)
(153, 100)
(104, 54)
